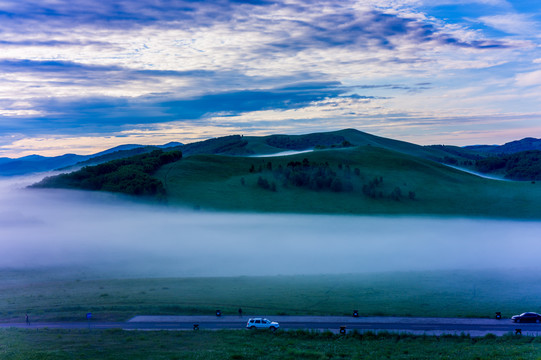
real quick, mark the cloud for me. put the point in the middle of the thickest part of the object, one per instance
(238, 102)
(532, 78)
(104, 114)
(512, 23)
(51, 43)
(119, 14)
(497, 3)
(97, 66)
(370, 29)
(97, 75)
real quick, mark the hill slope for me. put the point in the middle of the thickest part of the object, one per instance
(372, 180)
(243, 146)
(350, 172)
(346, 138)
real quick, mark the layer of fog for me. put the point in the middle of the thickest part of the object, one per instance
(284, 153)
(492, 177)
(121, 236)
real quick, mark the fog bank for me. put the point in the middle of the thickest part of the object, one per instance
(72, 228)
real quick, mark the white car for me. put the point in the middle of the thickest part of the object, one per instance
(260, 323)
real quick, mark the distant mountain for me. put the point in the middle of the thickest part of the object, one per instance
(117, 148)
(36, 163)
(170, 145)
(512, 147)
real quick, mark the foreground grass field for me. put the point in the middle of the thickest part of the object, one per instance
(241, 344)
(424, 186)
(67, 295)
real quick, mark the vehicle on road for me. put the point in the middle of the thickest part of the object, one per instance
(260, 323)
(527, 317)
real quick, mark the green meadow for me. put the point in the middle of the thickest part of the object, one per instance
(68, 294)
(241, 344)
(424, 186)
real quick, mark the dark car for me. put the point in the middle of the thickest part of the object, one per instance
(527, 317)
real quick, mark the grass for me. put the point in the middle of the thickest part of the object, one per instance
(116, 344)
(215, 182)
(66, 295)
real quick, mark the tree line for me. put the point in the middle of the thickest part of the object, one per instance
(322, 177)
(130, 175)
(525, 165)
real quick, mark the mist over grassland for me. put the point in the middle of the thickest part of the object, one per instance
(124, 237)
(67, 252)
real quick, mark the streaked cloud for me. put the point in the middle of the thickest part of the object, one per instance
(512, 23)
(93, 68)
(529, 79)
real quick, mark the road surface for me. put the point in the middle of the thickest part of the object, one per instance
(428, 326)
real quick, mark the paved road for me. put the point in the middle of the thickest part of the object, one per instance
(429, 326)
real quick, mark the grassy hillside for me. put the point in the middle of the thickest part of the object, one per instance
(350, 172)
(425, 187)
(251, 145)
(275, 143)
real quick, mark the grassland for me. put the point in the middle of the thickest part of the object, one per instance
(67, 295)
(238, 344)
(226, 183)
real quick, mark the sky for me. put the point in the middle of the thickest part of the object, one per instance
(86, 75)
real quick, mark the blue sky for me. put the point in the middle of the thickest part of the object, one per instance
(82, 76)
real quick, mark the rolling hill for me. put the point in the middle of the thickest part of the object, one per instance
(348, 172)
(373, 180)
(239, 145)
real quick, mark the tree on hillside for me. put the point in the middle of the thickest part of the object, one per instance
(130, 175)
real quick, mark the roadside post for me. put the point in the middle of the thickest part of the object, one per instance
(88, 317)
(355, 313)
(343, 329)
(218, 313)
(498, 315)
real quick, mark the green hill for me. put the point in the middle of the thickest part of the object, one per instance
(256, 145)
(350, 172)
(373, 180)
